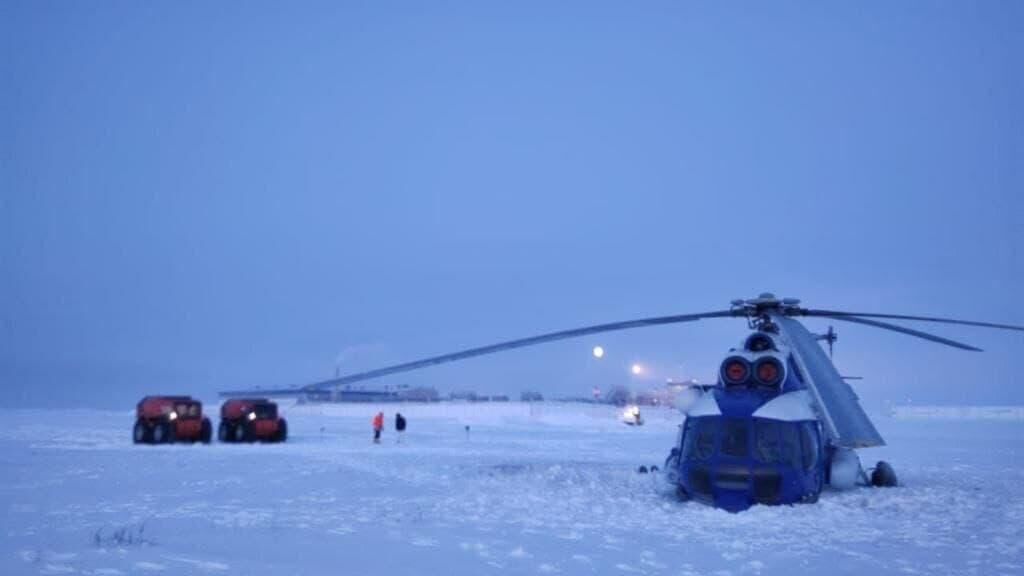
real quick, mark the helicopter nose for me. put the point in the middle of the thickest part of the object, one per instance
(732, 488)
(735, 488)
(733, 500)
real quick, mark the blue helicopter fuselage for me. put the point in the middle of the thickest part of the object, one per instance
(746, 442)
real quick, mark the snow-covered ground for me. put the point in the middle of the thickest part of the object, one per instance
(548, 488)
(958, 412)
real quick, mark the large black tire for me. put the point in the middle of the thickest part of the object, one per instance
(883, 476)
(206, 431)
(141, 434)
(163, 433)
(282, 431)
(224, 432)
(241, 433)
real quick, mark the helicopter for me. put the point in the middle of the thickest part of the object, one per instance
(779, 425)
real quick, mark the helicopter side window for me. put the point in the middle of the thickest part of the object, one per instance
(809, 444)
(699, 443)
(767, 448)
(734, 437)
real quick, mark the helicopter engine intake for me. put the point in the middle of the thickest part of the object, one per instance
(769, 372)
(763, 371)
(735, 371)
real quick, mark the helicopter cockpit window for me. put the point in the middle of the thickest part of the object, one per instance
(699, 443)
(777, 442)
(734, 437)
(766, 442)
(789, 439)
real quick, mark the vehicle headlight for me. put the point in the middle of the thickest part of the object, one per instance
(252, 415)
(172, 416)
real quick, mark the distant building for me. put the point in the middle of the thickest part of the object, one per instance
(348, 393)
(420, 394)
(463, 395)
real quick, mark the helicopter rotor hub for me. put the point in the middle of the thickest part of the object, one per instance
(760, 310)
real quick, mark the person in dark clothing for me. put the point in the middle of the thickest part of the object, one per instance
(399, 425)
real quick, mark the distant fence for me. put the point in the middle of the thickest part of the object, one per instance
(958, 412)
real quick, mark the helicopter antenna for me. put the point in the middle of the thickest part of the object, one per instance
(831, 336)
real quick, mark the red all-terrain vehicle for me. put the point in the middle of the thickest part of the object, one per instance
(251, 419)
(165, 419)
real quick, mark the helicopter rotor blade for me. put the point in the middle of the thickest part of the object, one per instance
(902, 330)
(839, 315)
(519, 343)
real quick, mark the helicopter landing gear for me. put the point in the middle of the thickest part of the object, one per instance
(883, 476)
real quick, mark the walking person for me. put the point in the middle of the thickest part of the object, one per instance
(399, 426)
(378, 425)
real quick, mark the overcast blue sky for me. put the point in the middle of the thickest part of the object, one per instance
(197, 196)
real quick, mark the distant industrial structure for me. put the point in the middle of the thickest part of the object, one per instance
(340, 389)
(469, 396)
(345, 393)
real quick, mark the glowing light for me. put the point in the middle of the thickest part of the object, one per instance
(598, 352)
(636, 369)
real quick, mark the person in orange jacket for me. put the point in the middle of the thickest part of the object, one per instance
(378, 425)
